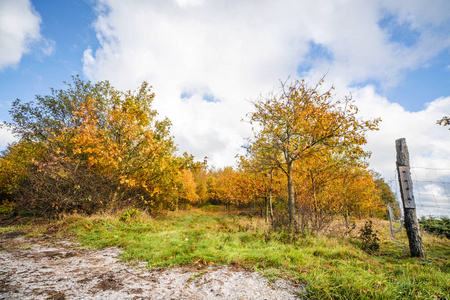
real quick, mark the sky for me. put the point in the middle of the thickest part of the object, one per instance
(207, 60)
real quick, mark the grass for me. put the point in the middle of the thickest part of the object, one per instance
(331, 267)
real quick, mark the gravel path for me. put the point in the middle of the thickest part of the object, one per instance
(48, 268)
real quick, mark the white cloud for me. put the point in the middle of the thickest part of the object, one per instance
(48, 46)
(235, 50)
(19, 28)
(184, 3)
(363, 50)
(6, 137)
(428, 145)
(428, 142)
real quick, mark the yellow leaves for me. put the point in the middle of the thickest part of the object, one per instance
(128, 182)
(305, 129)
(188, 186)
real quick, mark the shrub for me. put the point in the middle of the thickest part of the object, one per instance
(90, 147)
(129, 214)
(436, 226)
(369, 238)
(56, 185)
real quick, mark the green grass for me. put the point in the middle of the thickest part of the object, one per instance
(331, 267)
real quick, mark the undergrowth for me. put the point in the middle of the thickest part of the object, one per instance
(369, 238)
(331, 267)
(439, 226)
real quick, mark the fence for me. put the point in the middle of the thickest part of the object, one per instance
(428, 187)
(431, 191)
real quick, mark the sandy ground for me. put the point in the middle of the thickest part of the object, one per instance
(51, 268)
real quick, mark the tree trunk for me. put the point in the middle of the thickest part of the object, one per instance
(316, 206)
(291, 200)
(266, 208)
(270, 195)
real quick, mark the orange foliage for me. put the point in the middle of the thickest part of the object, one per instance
(111, 135)
(316, 142)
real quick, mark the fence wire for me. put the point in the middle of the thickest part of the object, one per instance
(431, 187)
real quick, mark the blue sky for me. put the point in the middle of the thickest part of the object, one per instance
(206, 59)
(67, 27)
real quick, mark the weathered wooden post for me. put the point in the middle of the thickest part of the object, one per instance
(409, 206)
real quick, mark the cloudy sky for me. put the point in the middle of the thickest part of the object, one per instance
(207, 59)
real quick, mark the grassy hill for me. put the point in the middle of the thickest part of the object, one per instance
(333, 265)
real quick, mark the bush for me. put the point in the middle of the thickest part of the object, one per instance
(6, 207)
(56, 185)
(436, 226)
(91, 147)
(369, 238)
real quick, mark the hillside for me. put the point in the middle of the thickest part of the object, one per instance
(329, 266)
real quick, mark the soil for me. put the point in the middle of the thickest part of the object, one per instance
(52, 268)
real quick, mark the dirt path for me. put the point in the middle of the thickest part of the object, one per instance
(50, 268)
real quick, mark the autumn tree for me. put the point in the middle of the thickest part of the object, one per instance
(201, 175)
(219, 186)
(329, 185)
(262, 175)
(300, 120)
(15, 162)
(386, 195)
(94, 134)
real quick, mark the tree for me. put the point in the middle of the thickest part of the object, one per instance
(187, 189)
(329, 185)
(301, 120)
(386, 195)
(15, 161)
(95, 131)
(261, 174)
(222, 186)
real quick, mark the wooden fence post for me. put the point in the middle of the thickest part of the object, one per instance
(409, 206)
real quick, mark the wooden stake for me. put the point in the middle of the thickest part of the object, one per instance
(409, 206)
